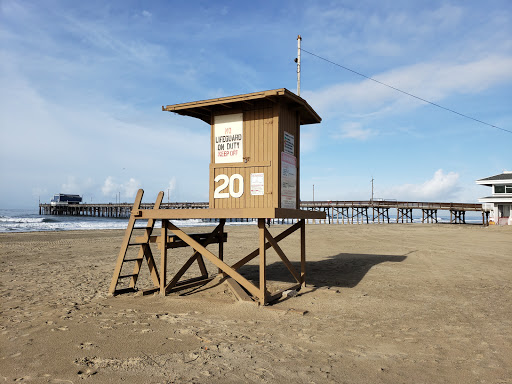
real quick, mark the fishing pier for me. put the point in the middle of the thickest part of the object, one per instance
(337, 212)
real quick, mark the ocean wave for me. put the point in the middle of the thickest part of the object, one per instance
(24, 220)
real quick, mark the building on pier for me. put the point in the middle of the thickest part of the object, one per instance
(65, 199)
(499, 204)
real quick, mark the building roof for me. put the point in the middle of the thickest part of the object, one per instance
(205, 108)
(495, 199)
(496, 179)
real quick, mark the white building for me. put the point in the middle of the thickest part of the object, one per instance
(499, 204)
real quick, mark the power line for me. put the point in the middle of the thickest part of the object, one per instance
(407, 93)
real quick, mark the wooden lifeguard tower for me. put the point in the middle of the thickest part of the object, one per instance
(254, 174)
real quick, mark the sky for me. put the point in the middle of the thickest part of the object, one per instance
(82, 85)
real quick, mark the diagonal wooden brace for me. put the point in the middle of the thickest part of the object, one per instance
(281, 254)
(196, 256)
(256, 252)
(214, 259)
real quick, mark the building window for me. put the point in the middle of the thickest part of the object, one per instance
(503, 211)
(505, 188)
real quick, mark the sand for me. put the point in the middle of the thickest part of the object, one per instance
(384, 304)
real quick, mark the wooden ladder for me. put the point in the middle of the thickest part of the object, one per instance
(144, 251)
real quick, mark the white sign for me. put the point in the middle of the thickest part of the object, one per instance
(289, 143)
(288, 181)
(228, 142)
(257, 184)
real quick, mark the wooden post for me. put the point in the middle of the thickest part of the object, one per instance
(263, 277)
(303, 252)
(221, 242)
(163, 260)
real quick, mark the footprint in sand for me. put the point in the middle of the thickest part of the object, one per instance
(86, 345)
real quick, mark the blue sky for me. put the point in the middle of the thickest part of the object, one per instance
(82, 85)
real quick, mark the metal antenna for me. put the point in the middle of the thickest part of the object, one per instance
(299, 39)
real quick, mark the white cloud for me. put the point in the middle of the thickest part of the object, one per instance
(72, 185)
(433, 81)
(172, 185)
(128, 189)
(442, 186)
(353, 130)
(109, 187)
(39, 191)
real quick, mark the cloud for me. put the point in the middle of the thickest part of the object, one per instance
(39, 191)
(442, 186)
(353, 130)
(128, 189)
(72, 185)
(433, 81)
(172, 185)
(109, 187)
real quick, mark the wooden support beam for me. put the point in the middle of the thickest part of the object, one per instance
(190, 283)
(214, 259)
(302, 251)
(256, 252)
(237, 290)
(276, 296)
(263, 277)
(281, 254)
(174, 281)
(163, 257)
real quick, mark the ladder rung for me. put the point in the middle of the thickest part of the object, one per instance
(136, 259)
(126, 276)
(141, 243)
(142, 228)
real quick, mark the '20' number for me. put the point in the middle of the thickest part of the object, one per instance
(228, 181)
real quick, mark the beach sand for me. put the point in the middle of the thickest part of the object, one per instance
(384, 304)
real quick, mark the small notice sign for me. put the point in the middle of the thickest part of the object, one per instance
(257, 184)
(228, 142)
(288, 181)
(289, 143)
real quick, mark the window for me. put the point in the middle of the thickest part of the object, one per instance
(504, 188)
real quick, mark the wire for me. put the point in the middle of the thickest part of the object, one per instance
(406, 93)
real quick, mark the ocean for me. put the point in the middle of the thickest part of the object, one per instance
(28, 220)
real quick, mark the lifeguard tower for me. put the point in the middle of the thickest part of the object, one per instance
(254, 174)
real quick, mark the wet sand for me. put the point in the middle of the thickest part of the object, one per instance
(384, 304)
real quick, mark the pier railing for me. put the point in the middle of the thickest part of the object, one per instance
(337, 212)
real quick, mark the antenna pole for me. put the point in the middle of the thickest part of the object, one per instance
(372, 189)
(299, 39)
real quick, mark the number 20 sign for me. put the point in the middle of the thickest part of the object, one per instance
(228, 183)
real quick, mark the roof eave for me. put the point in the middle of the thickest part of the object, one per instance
(193, 109)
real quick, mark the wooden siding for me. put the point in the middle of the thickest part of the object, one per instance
(289, 122)
(258, 138)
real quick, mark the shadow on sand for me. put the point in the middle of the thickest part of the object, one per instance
(343, 270)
